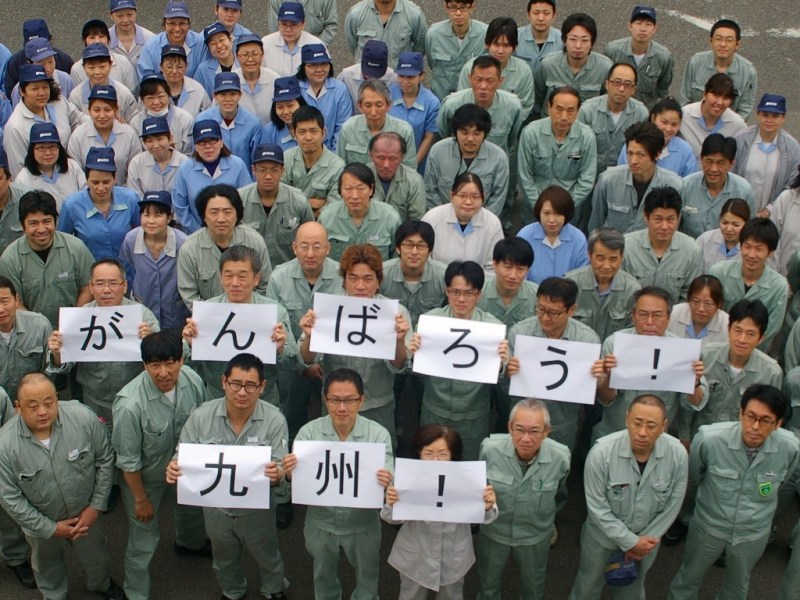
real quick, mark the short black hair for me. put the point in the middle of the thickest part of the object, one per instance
(414, 227)
(30, 160)
(648, 135)
(223, 190)
(471, 114)
(515, 250)
(720, 84)
(246, 362)
(726, 24)
(775, 399)
(667, 104)
(749, 309)
(559, 288)
(468, 269)
(161, 346)
(6, 284)
(623, 64)
(37, 202)
(578, 20)
(502, 27)
(652, 290)
(716, 143)
(484, 61)
(564, 89)
(158, 207)
(108, 260)
(663, 197)
(343, 375)
(762, 231)
(532, 2)
(150, 87)
(360, 171)
(464, 178)
(308, 113)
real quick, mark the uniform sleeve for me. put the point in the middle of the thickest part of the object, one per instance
(694, 268)
(351, 30)
(672, 507)
(539, 91)
(777, 307)
(344, 110)
(180, 201)
(686, 84)
(599, 204)
(588, 171)
(420, 29)
(103, 462)
(17, 505)
(417, 202)
(187, 277)
(665, 79)
(463, 76)
(526, 168)
(289, 355)
(430, 178)
(747, 96)
(526, 93)
(443, 119)
(126, 438)
(66, 222)
(496, 196)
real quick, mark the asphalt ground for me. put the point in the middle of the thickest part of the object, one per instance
(771, 41)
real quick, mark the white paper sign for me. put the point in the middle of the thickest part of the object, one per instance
(100, 333)
(349, 326)
(439, 490)
(343, 474)
(223, 476)
(555, 369)
(225, 330)
(459, 349)
(654, 363)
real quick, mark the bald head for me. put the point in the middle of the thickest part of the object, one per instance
(311, 247)
(311, 231)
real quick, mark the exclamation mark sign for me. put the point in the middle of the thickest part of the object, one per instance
(656, 354)
(441, 490)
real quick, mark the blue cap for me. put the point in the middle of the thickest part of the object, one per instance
(103, 92)
(34, 28)
(213, 30)
(173, 50)
(3, 158)
(121, 4)
(31, 73)
(206, 129)
(38, 49)
(291, 11)
(772, 103)
(267, 152)
(155, 126)
(150, 75)
(96, 51)
(409, 63)
(248, 38)
(235, 4)
(314, 54)
(643, 12)
(619, 572)
(286, 88)
(375, 59)
(224, 82)
(44, 133)
(161, 197)
(101, 159)
(176, 9)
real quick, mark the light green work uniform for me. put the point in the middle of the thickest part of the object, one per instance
(446, 53)
(701, 67)
(26, 351)
(376, 228)
(701, 211)
(564, 416)
(320, 181)
(653, 70)
(406, 192)
(445, 163)
(604, 313)
(404, 30)
(771, 288)
(426, 294)
(791, 357)
(725, 388)
(40, 485)
(463, 405)
(232, 529)
(625, 503)
(354, 137)
(357, 531)
(198, 263)
(674, 271)
(790, 586)
(791, 387)
(278, 227)
(10, 227)
(543, 161)
(609, 130)
(13, 547)
(147, 426)
(44, 287)
(517, 79)
(554, 71)
(530, 50)
(211, 371)
(615, 202)
(289, 287)
(521, 307)
(614, 413)
(734, 505)
(526, 502)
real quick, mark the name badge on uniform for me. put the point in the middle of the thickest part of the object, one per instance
(63, 275)
(252, 439)
(374, 238)
(73, 454)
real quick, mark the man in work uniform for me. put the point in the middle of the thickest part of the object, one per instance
(149, 414)
(635, 481)
(56, 468)
(239, 418)
(738, 470)
(397, 184)
(526, 468)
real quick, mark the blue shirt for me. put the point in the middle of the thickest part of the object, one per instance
(680, 158)
(150, 60)
(421, 115)
(241, 135)
(570, 253)
(270, 134)
(193, 177)
(102, 235)
(5, 54)
(207, 72)
(336, 107)
(154, 282)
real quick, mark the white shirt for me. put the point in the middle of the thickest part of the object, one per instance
(475, 243)
(279, 58)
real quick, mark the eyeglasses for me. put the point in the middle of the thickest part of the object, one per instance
(522, 432)
(697, 303)
(421, 246)
(456, 8)
(343, 401)
(628, 85)
(249, 55)
(462, 293)
(553, 314)
(306, 248)
(471, 197)
(431, 455)
(648, 425)
(113, 284)
(646, 316)
(274, 171)
(755, 419)
(249, 387)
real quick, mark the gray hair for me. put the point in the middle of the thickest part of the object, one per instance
(241, 254)
(534, 405)
(611, 238)
(377, 86)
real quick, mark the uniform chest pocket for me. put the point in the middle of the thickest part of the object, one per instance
(661, 492)
(500, 479)
(285, 231)
(441, 56)
(80, 460)
(619, 495)
(156, 438)
(725, 481)
(541, 495)
(767, 484)
(30, 359)
(30, 482)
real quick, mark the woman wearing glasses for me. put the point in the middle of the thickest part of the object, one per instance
(702, 317)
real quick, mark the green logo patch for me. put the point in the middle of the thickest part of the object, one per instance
(765, 489)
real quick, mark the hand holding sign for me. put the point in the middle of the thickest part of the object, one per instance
(220, 331)
(92, 334)
(655, 363)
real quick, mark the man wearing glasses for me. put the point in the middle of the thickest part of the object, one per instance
(738, 469)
